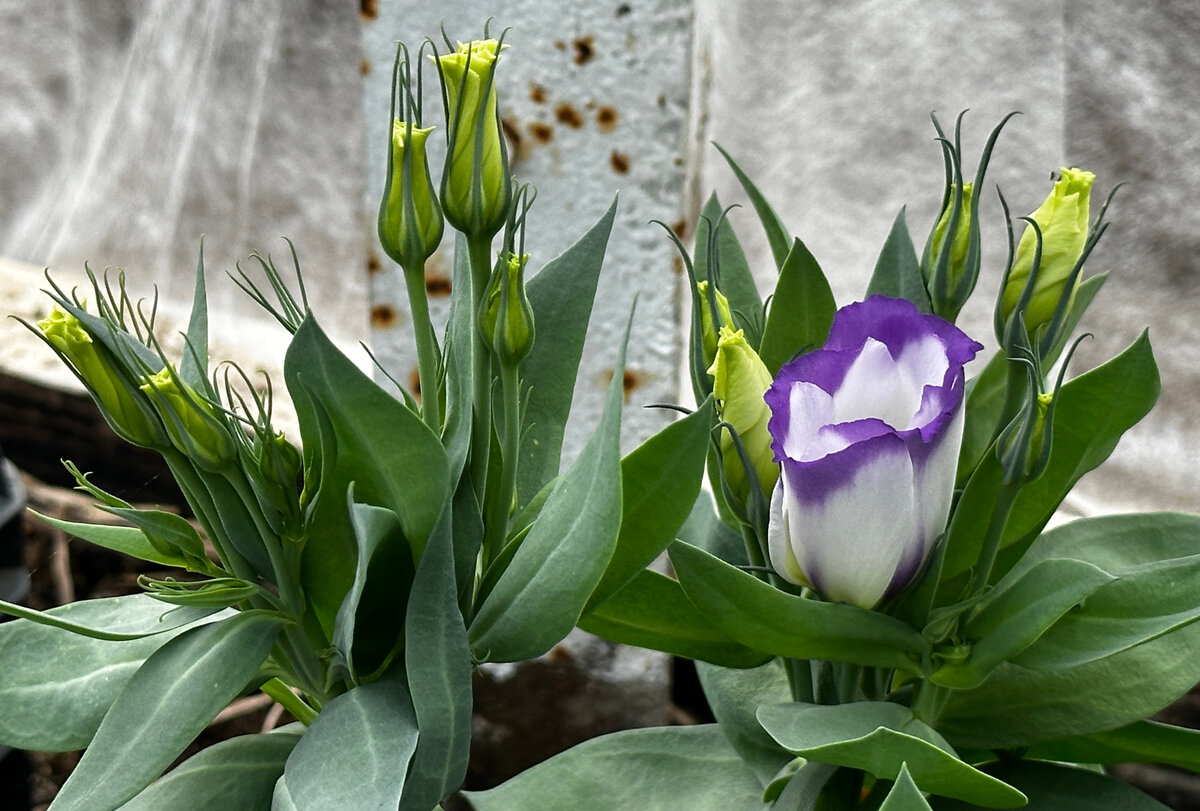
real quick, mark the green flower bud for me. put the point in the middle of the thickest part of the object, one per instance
(476, 188)
(708, 330)
(279, 462)
(122, 405)
(740, 379)
(192, 423)
(506, 318)
(957, 264)
(1063, 220)
(410, 219)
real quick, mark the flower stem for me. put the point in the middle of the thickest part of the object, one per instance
(995, 533)
(929, 702)
(799, 673)
(284, 697)
(500, 505)
(427, 360)
(479, 251)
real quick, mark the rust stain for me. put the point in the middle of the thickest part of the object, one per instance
(662, 101)
(619, 162)
(383, 316)
(585, 49)
(414, 384)
(567, 114)
(677, 265)
(537, 93)
(373, 263)
(437, 285)
(680, 228)
(368, 9)
(559, 655)
(542, 133)
(606, 117)
(558, 43)
(630, 381)
(364, 66)
(517, 147)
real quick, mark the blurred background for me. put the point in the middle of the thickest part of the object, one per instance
(130, 128)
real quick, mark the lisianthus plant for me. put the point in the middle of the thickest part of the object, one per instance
(356, 578)
(880, 617)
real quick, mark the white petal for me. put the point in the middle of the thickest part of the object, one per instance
(809, 408)
(778, 544)
(935, 481)
(922, 363)
(874, 387)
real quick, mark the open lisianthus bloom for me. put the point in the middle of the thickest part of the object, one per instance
(867, 431)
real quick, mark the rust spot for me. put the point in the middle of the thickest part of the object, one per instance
(677, 265)
(630, 381)
(437, 285)
(517, 147)
(606, 117)
(414, 384)
(662, 101)
(542, 133)
(567, 114)
(368, 9)
(619, 162)
(623, 9)
(364, 66)
(558, 655)
(537, 93)
(373, 263)
(558, 43)
(680, 228)
(383, 316)
(585, 49)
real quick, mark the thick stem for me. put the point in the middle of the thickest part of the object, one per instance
(800, 679)
(427, 360)
(929, 702)
(205, 508)
(479, 251)
(286, 580)
(500, 505)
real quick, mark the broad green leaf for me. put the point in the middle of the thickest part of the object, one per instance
(1139, 742)
(126, 540)
(660, 481)
(772, 621)
(281, 799)
(801, 310)
(193, 369)
(172, 697)
(356, 432)
(705, 529)
(459, 350)
(735, 281)
(776, 231)
(113, 619)
(1052, 787)
(467, 526)
(897, 270)
(802, 789)
(561, 295)
(651, 611)
(688, 767)
(368, 630)
(437, 660)
(56, 686)
(174, 532)
(1017, 613)
(542, 593)
(984, 404)
(239, 773)
(1157, 558)
(734, 697)
(357, 751)
(880, 738)
(1084, 293)
(905, 796)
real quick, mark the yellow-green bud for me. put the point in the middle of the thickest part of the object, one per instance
(708, 330)
(740, 379)
(962, 234)
(121, 404)
(279, 462)
(191, 421)
(410, 219)
(1063, 220)
(506, 318)
(475, 183)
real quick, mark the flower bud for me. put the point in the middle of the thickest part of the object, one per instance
(192, 423)
(1063, 220)
(740, 379)
(950, 267)
(956, 266)
(708, 329)
(506, 318)
(476, 188)
(125, 409)
(410, 219)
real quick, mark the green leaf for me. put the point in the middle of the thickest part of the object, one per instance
(705, 529)
(898, 271)
(776, 231)
(238, 773)
(984, 405)
(688, 767)
(1139, 742)
(561, 295)
(660, 481)
(734, 697)
(736, 281)
(193, 369)
(801, 310)
(772, 621)
(880, 738)
(357, 751)
(354, 431)
(437, 660)
(113, 619)
(171, 698)
(459, 359)
(652, 611)
(1017, 613)
(904, 796)
(1052, 787)
(170, 532)
(126, 540)
(56, 686)
(368, 630)
(542, 593)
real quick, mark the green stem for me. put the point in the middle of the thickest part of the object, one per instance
(929, 702)
(995, 534)
(205, 508)
(479, 250)
(285, 578)
(499, 506)
(427, 360)
(800, 679)
(284, 697)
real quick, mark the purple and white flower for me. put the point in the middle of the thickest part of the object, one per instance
(867, 431)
